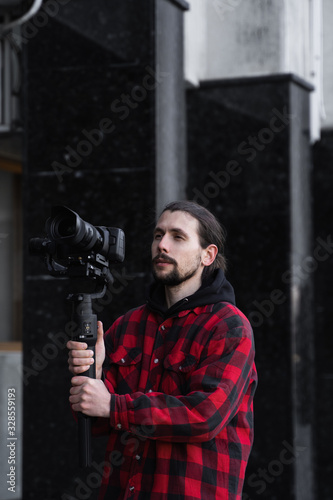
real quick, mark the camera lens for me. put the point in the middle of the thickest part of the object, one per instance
(65, 227)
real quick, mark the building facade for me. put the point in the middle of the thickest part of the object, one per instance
(115, 108)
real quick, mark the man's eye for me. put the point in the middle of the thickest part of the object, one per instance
(157, 236)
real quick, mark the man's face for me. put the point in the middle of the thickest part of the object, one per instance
(176, 250)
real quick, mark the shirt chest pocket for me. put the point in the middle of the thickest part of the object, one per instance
(125, 365)
(178, 368)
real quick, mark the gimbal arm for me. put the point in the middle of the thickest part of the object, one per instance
(86, 322)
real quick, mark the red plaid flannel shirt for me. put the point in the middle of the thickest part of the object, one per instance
(181, 425)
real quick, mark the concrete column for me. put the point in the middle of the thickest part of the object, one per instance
(170, 104)
(260, 37)
(327, 65)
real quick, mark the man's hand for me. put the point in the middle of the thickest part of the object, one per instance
(90, 396)
(80, 357)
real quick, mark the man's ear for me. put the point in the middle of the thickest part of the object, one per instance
(209, 255)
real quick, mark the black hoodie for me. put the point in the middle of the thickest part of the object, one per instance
(213, 290)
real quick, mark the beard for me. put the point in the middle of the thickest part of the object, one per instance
(175, 277)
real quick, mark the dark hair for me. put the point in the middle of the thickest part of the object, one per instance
(210, 231)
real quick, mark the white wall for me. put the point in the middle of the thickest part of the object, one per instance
(195, 46)
(240, 38)
(327, 121)
(243, 38)
(247, 38)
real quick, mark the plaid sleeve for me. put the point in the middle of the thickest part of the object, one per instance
(218, 388)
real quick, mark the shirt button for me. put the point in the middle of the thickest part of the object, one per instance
(118, 426)
(131, 488)
(150, 390)
(122, 360)
(163, 327)
(137, 457)
(156, 361)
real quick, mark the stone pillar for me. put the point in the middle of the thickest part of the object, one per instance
(97, 78)
(250, 163)
(170, 102)
(242, 38)
(323, 209)
(327, 42)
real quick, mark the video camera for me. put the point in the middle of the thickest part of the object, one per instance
(76, 249)
(79, 251)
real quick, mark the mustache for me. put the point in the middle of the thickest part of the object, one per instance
(165, 258)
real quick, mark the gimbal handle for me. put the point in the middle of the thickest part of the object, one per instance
(86, 321)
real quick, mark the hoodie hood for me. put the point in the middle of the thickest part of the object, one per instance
(215, 289)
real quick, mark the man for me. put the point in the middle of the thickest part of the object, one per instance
(176, 393)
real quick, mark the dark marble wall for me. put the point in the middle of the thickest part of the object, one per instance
(90, 80)
(249, 162)
(323, 210)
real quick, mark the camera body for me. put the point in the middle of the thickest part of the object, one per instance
(76, 249)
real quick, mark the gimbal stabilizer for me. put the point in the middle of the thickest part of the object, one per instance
(81, 252)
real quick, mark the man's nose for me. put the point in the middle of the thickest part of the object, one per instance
(163, 245)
